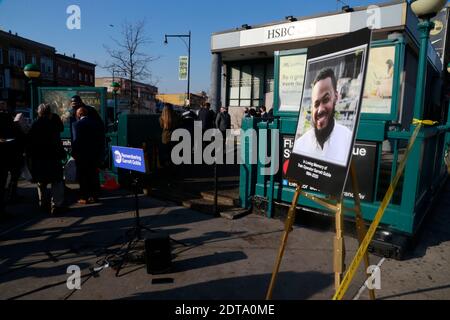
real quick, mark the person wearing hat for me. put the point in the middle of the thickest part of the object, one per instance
(97, 137)
(76, 102)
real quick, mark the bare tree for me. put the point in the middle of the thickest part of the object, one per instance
(128, 59)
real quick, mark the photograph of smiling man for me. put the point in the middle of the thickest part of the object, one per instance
(326, 138)
(329, 112)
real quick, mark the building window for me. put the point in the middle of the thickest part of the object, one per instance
(46, 64)
(1, 56)
(248, 84)
(12, 56)
(92, 78)
(20, 58)
(16, 57)
(60, 72)
(80, 76)
(73, 75)
(86, 79)
(33, 59)
(2, 82)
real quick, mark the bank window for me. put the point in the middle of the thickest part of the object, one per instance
(248, 84)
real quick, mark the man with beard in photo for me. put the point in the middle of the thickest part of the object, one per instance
(327, 140)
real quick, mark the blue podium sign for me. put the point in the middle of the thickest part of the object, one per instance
(129, 158)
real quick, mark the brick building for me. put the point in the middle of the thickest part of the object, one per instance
(74, 72)
(56, 69)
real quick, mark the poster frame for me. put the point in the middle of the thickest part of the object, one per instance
(276, 98)
(324, 170)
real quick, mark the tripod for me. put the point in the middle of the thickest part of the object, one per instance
(136, 231)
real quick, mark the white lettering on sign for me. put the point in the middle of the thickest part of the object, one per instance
(358, 151)
(131, 159)
(280, 32)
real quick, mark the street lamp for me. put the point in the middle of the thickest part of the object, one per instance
(188, 45)
(32, 72)
(425, 10)
(115, 87)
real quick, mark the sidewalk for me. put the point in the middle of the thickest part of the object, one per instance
(222, 259)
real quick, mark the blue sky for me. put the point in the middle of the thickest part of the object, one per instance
(45, 21)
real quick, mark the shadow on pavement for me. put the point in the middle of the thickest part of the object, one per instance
(289, 286)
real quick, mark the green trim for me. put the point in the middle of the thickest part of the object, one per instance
(274, 144)
(394, 160)
(399, 63)
(378, 170)
(276, 76)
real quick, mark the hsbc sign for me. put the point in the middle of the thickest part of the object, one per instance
(280, 32)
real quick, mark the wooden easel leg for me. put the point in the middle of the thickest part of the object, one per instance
(360, 227)
(287, 229)
(339, 246)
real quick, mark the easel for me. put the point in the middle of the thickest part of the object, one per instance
(339, 245)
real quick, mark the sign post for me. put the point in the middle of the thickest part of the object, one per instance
(131, 159)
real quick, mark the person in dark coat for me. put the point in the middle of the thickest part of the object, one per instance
(18, 160)
(45, 155)
(223, 120)
(7, 147)
(206, 116)
(223, 123)
(264, 114)
(187, 120)
(76, 102)
(87, 152)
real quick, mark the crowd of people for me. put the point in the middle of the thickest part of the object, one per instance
(171, 121)
(261, 112)
(40, 148)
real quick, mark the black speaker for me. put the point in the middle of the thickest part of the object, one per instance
(158, 256)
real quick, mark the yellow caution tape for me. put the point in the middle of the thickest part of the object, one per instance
(340, 292)
(424, 122)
